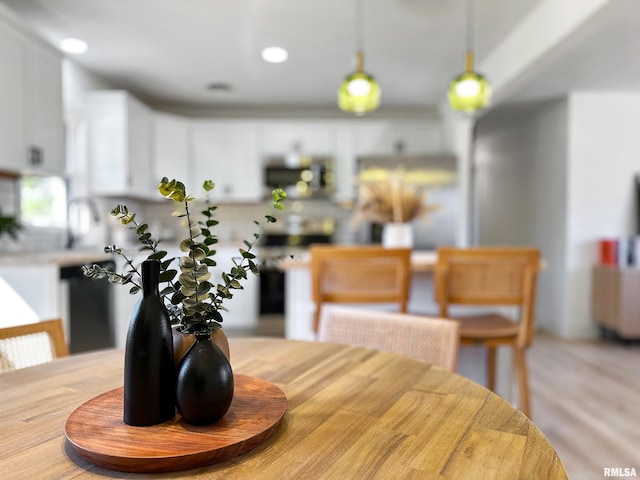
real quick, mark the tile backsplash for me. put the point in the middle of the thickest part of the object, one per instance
(9, 196)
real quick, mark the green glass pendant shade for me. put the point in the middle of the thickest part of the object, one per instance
(359, 93)
(469, 91)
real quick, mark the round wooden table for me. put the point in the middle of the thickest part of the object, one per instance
(353, 413)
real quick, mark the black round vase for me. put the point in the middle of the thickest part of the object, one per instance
(204, 384)
(149, 372)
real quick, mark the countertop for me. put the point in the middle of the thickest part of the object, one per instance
(61, 258)
(421, 261)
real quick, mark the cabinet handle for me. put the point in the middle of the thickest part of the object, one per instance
(36, 156)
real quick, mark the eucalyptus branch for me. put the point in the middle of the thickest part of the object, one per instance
(191, 299)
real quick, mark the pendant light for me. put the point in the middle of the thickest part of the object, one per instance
(469, 91)
(359, 93)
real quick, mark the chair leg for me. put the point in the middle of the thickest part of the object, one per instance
(520, 364)
(491, 368)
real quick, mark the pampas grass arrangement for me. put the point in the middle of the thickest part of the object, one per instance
(391, 200)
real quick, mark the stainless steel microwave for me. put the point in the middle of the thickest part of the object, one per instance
(312, 178)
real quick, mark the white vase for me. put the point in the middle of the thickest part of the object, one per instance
(397, 235)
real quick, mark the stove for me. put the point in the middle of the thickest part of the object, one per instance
(274, 247)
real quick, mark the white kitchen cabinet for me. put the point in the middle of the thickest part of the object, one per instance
(227, 153)
(305, 137)
(244, 308)
(389, 137)
(119, 146)
(171, 153)
(11, 94)
(31, 119)
(345, 164)
(43, 111)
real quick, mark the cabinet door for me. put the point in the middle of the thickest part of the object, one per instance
(308, 138)
(227, 153)
(12, 152)
(243, 308)
(171, 150)
(107, 144)
(140, 175)
(43, 111)
(393, 137)
(119, 145)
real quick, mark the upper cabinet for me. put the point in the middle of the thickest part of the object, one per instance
(31, 117)
(306, 138)
(227, 153)
(11, 95)
(171, 155)
(390, 137)
(43, 111)
(119, 145)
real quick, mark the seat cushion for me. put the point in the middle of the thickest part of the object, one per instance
(492, 325)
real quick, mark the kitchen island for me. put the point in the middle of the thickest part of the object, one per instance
(299, 306)
(49, 282)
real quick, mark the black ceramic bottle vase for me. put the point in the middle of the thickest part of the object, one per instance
(149, 372)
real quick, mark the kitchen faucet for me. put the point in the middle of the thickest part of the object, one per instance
(93, 209)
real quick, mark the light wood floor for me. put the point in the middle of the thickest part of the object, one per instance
(585, 399)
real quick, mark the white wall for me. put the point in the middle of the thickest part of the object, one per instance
(560, 176)
(520, 192)
(604, 157)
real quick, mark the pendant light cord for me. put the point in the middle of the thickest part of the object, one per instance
(358, 12)
(469, 53)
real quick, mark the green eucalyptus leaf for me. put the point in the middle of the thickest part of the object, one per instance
(177, 298)
(167, 276)
(185, 245)
(199, 254)
(254, 268)
(246, 254)
(167, 263)
(157, 255)
(166, 291)
(187, 281)
(187, 263)
(187, 292)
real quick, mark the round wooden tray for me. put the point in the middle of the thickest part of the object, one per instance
(98, 433)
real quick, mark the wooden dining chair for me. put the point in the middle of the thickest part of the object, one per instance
(496, 277)
(359, 274)
(431, 340)
(31, 344)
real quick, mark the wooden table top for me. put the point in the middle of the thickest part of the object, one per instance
(353, 413)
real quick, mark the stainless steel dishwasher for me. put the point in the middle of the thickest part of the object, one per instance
(90, 310)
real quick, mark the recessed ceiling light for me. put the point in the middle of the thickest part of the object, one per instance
(220, 87)
(74, 45)
(274, 54)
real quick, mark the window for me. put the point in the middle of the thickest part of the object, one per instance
(43, 202)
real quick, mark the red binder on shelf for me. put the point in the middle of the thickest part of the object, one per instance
(609, 251)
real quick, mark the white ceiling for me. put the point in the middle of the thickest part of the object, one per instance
(167, 51)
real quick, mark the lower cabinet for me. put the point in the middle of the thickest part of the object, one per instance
(615, 299)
